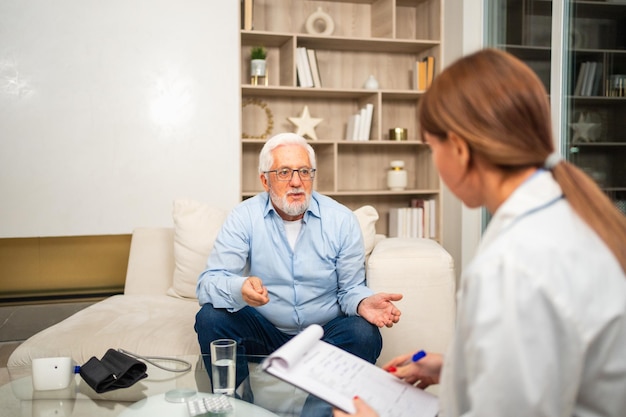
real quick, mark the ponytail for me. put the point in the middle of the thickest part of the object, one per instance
(593, 206)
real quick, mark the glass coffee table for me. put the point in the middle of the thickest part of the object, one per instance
(266, 395)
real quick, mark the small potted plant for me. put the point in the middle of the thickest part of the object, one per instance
(257, 61)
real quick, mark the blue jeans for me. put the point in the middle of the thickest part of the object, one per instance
(255, 335)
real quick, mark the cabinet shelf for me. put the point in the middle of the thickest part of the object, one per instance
(600, 10)
(338, 43)
(330, 93)
(381, 38)
(357, 193)
(599, 144)
(412, 193)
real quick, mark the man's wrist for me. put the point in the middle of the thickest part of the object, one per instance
(358, 306)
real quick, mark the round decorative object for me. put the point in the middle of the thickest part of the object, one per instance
(320, 20)
(371, 83)
(398, 133)
(268, 113)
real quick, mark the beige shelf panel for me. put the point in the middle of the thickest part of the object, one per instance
(368, 19)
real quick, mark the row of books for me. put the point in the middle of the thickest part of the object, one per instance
(360, 124)
(423, 73)
(589, 81)
(306, 68)
(419, 220)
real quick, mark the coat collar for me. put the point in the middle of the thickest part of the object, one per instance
(537, 192)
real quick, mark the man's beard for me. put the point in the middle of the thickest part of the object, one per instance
(291, 209)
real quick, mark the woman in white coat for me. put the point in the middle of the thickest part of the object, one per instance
(541, 324)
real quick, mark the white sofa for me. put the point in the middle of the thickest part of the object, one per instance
(156, 313)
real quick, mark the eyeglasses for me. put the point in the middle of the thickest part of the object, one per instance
(286, 174)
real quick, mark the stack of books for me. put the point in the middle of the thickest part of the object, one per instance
(418, 220)
(423, 73)
(360, 124)
(307, 69)
(589, 81)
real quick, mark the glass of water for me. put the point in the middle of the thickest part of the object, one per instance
(223, 360)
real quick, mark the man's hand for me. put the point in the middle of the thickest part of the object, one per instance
(379, 310)
(253, 292)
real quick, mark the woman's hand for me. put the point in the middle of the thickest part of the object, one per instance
(424, 372)
(362, 410)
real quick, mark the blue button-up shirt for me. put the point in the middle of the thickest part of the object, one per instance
(321, 279)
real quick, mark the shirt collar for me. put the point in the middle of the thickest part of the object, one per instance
(537, 192)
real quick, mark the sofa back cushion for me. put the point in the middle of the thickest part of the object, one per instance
(196, 226)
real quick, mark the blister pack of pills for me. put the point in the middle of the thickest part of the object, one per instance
(214, 404)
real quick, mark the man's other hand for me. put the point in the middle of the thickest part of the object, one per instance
(379, 310)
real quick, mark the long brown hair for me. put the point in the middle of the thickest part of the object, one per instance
(499, 106)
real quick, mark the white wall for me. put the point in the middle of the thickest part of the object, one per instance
(111, 109)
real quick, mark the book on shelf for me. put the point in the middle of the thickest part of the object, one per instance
(432, 226)
(596, 89)
(580, 80)
(430, 215)
(336, 376)
(430, 69)
(359, 125)
(419, 75)
(303, 69)
(353, 126)
(588, 81)
(247, 7)
(315, 70)
(418, 220)
(366, 121)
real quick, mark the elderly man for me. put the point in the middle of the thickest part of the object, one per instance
(287, 258)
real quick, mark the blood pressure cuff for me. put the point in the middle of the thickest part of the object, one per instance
(115, 370)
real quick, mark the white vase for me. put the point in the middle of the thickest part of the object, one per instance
(257, 67)
(397, 176)
(371, 83)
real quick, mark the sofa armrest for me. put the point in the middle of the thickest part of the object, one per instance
(423, 272)
(151, 261)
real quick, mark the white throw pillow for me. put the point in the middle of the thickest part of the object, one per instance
(196, 226)
(367, 216)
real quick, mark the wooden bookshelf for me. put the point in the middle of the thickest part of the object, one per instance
(383, 38)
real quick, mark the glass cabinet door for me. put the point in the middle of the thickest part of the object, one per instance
(592, 54)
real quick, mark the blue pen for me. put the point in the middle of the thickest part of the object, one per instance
(418, 355)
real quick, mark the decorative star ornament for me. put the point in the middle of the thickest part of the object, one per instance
(306, 124)
(584, 131)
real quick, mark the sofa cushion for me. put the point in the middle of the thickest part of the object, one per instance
(196, 226)
(367, 217)
(142, 324)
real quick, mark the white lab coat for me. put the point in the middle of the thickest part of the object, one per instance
(541, 324)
